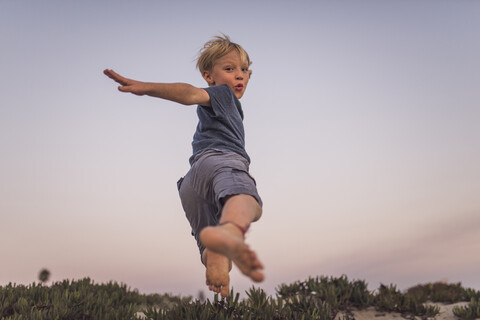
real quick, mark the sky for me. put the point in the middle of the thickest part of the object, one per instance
(361, 120)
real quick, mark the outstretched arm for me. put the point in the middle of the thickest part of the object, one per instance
(178, 92)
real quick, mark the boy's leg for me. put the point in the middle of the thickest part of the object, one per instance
(227, 239)
(201, 213)
(217, 272)
(230, 176)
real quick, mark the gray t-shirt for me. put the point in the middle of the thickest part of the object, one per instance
(220, 126)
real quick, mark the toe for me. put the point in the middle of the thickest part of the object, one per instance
(257, 276)
(225, 291)
(256, 263)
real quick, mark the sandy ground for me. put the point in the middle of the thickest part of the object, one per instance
(370, 313)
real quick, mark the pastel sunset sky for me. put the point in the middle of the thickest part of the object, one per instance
(362, 122)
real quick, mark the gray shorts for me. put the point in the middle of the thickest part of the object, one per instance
(213, 177)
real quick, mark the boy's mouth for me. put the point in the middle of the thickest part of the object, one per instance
(239, 87)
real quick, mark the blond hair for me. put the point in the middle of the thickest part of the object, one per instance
(217, 48)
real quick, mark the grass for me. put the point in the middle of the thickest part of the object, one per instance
(314, 298)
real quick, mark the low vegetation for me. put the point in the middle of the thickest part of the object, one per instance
(315, 298)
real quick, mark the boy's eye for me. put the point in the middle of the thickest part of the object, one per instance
(229, 68)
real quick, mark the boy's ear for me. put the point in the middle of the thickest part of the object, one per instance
(208, 77)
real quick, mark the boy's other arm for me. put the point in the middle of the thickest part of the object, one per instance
(178, 92)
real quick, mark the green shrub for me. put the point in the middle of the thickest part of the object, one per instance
(319, 298)
(390, 299)
(339, 293)
(472, 294)
(471, 311)
(439, 292)
(80, 299)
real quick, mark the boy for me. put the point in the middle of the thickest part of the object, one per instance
(218, 195)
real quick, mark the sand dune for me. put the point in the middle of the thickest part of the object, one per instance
(446, 313)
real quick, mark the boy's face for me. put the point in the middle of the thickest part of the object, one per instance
(231, 70)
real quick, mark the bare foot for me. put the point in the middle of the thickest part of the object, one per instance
(228, 240)
(217, 272)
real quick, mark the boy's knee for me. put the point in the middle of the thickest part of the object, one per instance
(258, 213)
(256, 207)
(245, 201)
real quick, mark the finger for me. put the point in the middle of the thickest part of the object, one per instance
(116, 77)
(124, 89)
(110, 73)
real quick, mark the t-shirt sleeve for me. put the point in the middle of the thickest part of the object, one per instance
(223, 101)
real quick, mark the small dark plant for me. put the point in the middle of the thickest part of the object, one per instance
(44, 276)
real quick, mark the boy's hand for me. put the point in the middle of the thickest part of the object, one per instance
(127, 85)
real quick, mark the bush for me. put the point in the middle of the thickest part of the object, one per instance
(390, 299)
(338, 292)
(438, 292)
(66, 300)
(471, 311)
(319, 298)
